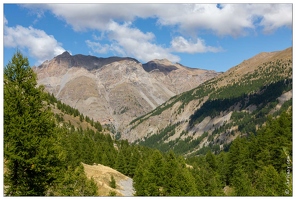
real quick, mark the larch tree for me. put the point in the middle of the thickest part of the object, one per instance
(30, 144)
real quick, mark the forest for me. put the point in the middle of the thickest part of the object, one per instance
(43, 153)
(259, 88)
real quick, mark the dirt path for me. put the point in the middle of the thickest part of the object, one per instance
(127, 185)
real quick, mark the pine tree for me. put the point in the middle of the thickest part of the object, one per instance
(74, 183)
(269, 183)
(112, 182)
(30, 152)
(211, 160)
(242, 183)
(156, 171)
(178, 180)
(141, 180)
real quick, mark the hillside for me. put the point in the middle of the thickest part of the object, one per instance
(102, 176)
(116, 90)
(46, 154)
(210, 116)
(70, 118)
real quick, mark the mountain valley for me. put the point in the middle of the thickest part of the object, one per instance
(167, 105)
(215, 139)
(210, 116)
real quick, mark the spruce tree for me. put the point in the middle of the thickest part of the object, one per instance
(112, 182)
(31, 156)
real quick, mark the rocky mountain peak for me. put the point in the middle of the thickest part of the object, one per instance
(86, 61)
(64, 55)
(162, 65)
(162, 61)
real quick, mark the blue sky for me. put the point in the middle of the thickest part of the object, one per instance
(207, 36)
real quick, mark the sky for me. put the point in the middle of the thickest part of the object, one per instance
(207, 36)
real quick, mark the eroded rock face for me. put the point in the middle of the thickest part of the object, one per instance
(116, 90)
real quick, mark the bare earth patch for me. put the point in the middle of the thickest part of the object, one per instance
(102, 176)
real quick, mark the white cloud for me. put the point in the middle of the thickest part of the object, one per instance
(180, 44)
(128, 41)
(93, 16)
(114, 21)
(229, 19)
(277, 15)
(39, 45)
(97, 47)
(5, 20)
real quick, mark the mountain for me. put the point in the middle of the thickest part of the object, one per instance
(210, 116)
(251, 102)
(116, 90)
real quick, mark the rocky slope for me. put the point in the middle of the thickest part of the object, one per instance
(213, 114)
(116, 90)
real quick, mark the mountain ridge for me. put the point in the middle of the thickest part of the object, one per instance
(116, 90)
(207, 115)
(89, 62)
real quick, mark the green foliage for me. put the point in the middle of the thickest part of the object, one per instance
(247, 122)
(71, 111)
(155, 141)
(88, 147)
(262, 156)
(112, 193)
(35, 159)
(164, 175)
(264, 98)
(242, 183)
(260, 88)
(254, 166)
(269, 182)
(250, 83)
(211, 160)
(179, 146)
(112, 182)
(98, 126)
(74, 183)
(44, 159)
(30, 144)
(208, 180)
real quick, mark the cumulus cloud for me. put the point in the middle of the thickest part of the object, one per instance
(180, 44)
(188, 20)
(276, 16)
(128, 41)
(39, 45)
(94, 16)
(225, 19)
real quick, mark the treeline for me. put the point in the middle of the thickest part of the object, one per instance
(273, 75)
(70, 111)
(265, 100)
(91, 147)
